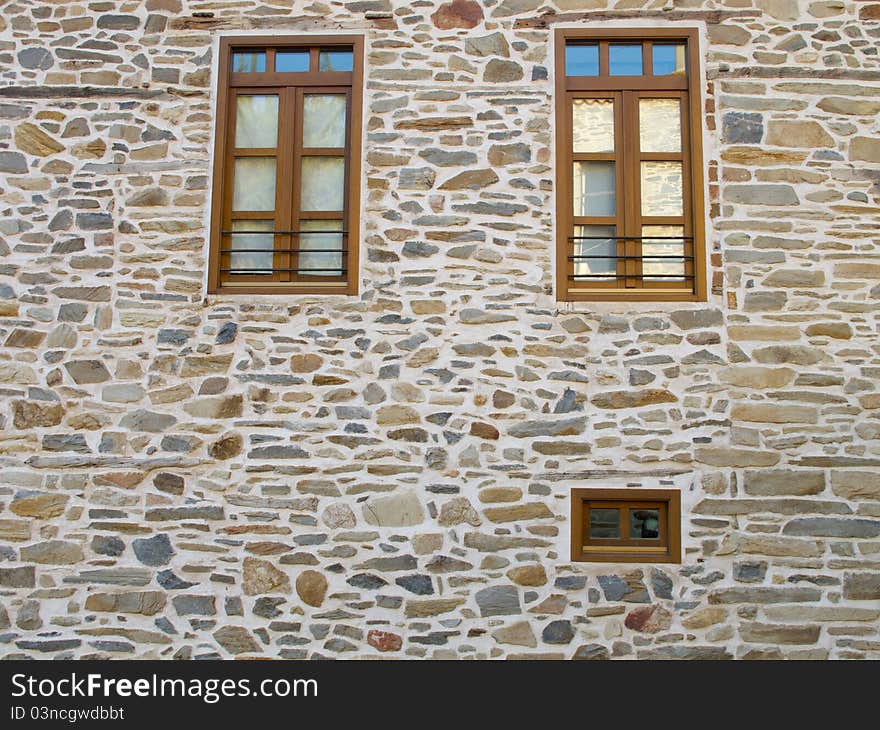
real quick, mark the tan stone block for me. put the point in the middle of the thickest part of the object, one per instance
(772, 413)
(33, 140)
(431, 607)
(532, 511)
(756, 377)
(763, 333)
(793, 133)
(856, 484)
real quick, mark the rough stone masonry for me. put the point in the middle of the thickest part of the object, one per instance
(388, 475)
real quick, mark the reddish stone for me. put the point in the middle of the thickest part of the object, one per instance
(870, 12)
(458, 14)
(384, 640)
(648, 619)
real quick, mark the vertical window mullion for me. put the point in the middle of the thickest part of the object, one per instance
(296, 178)
(632, 199)
(285, 181)
(688, 242)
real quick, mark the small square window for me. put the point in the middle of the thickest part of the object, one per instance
(626, 525)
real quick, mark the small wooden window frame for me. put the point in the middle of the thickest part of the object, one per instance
(625, 89)
(666, 549)
(290, 87)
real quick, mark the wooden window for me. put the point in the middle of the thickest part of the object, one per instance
(286, 192)
(629, 165)
(626, 525)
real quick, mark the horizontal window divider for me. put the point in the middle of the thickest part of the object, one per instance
(643, 277)
(291, 78)
(630, 238)
(269, 272)
(281, 233)
(625, 258)
(284, 250)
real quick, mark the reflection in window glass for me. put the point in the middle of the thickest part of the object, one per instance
(592, 125)
(595, 251)
(662, 193)
(336, 61)
(248, 62)
(625, 59)
(604, 523)
(313, 263)
(660, 125)
(259, 262)
(582, 59)
(253, 185)
(668, 58)
(644, 524)
(322, 183)
(256, 121)
(663, 248)
(292, 61)
(594, 189)
(324, 120)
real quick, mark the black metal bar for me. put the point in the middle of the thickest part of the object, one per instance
(280, 233)
(630, 238)
(637, 258)
(274, 271)
(643, 277)
(284, 250)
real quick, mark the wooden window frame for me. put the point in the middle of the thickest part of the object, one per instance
(628, 181)
(290, 91)
(625, 550)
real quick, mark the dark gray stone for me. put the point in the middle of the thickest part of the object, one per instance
(367, 581)
(13, 163)
(592, 652)
(661, 584)
(832, 527)
(172, 582)
(742, 128)
(421, 585)
(558, 632)
(38, 59)
(108, 545)
(189, 605)
(227, 333)
(154, 551)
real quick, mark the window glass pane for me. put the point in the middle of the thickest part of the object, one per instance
(625, 59)
(644, 524)
(320, 264)
(256, 121)
(592, 124)
(322, 184)
(594, 189)
(662, 189)
(335, 61)
(663, 251)
(604, 523)
(660, 125)
(244, 62)
(582, 59)
(259, 262)
(595, 249)
(291, 61)
(253, 186)
(324, 120)
(668, 58)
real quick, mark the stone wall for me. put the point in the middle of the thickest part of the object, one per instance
(387, 475)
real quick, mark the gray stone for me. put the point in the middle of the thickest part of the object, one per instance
(153, 551)
(832, 527)
(36, 58)
(742, 128)
(558, 632)
(498, 601)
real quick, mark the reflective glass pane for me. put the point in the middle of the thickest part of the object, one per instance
(312, 263)
(604, 523)
(253, 186)
(323, 179)
(592, 125)
(662, 188)
(596, 250)
(644, 524)
(668, 58)
(256, 121)
(594, 189)
(324, 120)
(259, 262)
(625, 59)
(245, 62)
(291, 61)
(582, 59)
(663, 249)
(335, 61)
(660, 125)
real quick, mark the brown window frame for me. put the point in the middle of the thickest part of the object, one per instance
(667, 549)
(628, 285)
(290, 87)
